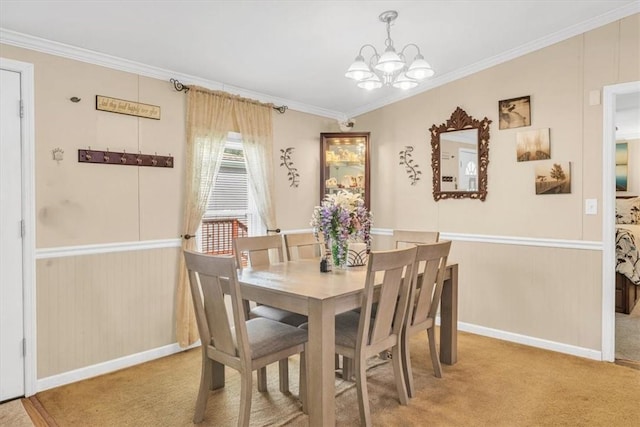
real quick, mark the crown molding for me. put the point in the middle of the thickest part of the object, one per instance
(532, 46)
(26, 41)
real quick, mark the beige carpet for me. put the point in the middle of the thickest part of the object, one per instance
(495, 383)
(628, 335)
(13, 414)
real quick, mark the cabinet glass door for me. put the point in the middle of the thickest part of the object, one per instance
(345, 164)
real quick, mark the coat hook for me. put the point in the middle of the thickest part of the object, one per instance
(75, 99)
(123, 158)
(106, 155)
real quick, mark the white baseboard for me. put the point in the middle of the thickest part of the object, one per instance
(530, 341)
(109, 366)
(146, 356)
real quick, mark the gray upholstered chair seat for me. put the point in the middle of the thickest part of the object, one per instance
(267, 336)
(278, 315)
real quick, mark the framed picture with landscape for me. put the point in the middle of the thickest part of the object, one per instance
(533, 145)
(553, 178)
(622, 168)
(514, 112)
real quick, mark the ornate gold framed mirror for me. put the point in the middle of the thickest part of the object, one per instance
(460, 157)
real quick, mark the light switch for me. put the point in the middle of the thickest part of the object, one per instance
(591, 206)
(594, 97)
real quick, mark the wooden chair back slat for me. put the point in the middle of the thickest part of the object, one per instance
(406, 238)
(303, 245)
(431, 267)
(397, 268)
(211, 277)
(258, 249)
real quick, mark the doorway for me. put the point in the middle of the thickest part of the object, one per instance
(17, 225)
(610, 97)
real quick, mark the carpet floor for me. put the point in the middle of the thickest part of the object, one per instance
(628, 335)
(13, 414)
(494, 383)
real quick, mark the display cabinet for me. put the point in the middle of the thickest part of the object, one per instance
(344, 164)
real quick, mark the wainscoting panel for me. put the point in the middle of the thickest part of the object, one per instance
(98, 307)
(546, 293)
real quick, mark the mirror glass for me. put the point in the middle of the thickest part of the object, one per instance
(459, 160)
(459, 157)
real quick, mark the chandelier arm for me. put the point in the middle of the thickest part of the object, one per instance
(410, 44)
(375, 52)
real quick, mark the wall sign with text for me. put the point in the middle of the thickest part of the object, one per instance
(120, 106)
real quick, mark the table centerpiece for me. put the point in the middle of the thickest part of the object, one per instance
(342, 218)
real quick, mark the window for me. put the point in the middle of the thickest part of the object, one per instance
(230, 209)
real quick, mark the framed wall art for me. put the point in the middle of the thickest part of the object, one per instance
(130, 108)
(533, 145)
(622, 166)
(514, 112)
(553, 178)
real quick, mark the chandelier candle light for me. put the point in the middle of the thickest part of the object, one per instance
(390, 68)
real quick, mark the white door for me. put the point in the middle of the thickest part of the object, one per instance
(468, 173)
(12, 369)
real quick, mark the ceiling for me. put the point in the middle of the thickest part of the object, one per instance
(296, 52)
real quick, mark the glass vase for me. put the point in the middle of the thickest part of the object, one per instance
(339, 249)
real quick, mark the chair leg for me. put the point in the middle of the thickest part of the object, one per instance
(398, 373)
(406, 364)
(347, 368)
(283, 365)
(435, 359)
(217, 373)
(303, 383)
(262, 379)
(206, 379)
(246, 384)
(361, 387)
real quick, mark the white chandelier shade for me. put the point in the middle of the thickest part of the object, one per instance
(390, 68)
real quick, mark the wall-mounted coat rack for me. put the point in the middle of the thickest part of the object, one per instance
(123, 158)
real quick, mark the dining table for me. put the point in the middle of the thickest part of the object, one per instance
(300, 287)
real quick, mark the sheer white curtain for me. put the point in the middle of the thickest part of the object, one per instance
(210, 116)
(255, 123)
(209, 119)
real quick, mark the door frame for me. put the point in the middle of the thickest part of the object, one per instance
(608, 214)
(27, 133)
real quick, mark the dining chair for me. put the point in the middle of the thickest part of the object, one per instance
(360, 336)
(404, 238)
(257, 250)
(424, 298)
(303, 245)
(244, 345)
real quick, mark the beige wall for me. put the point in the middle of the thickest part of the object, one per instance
(549, 293)
(99, 307)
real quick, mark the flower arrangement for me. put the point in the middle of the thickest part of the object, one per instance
(341, 218)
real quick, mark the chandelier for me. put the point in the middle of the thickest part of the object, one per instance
(390, 68)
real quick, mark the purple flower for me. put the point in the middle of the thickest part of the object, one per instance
(341, 218)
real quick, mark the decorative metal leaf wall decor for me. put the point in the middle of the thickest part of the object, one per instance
(292, 172)
(410, 166)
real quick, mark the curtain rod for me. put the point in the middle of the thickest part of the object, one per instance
(184, 88)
